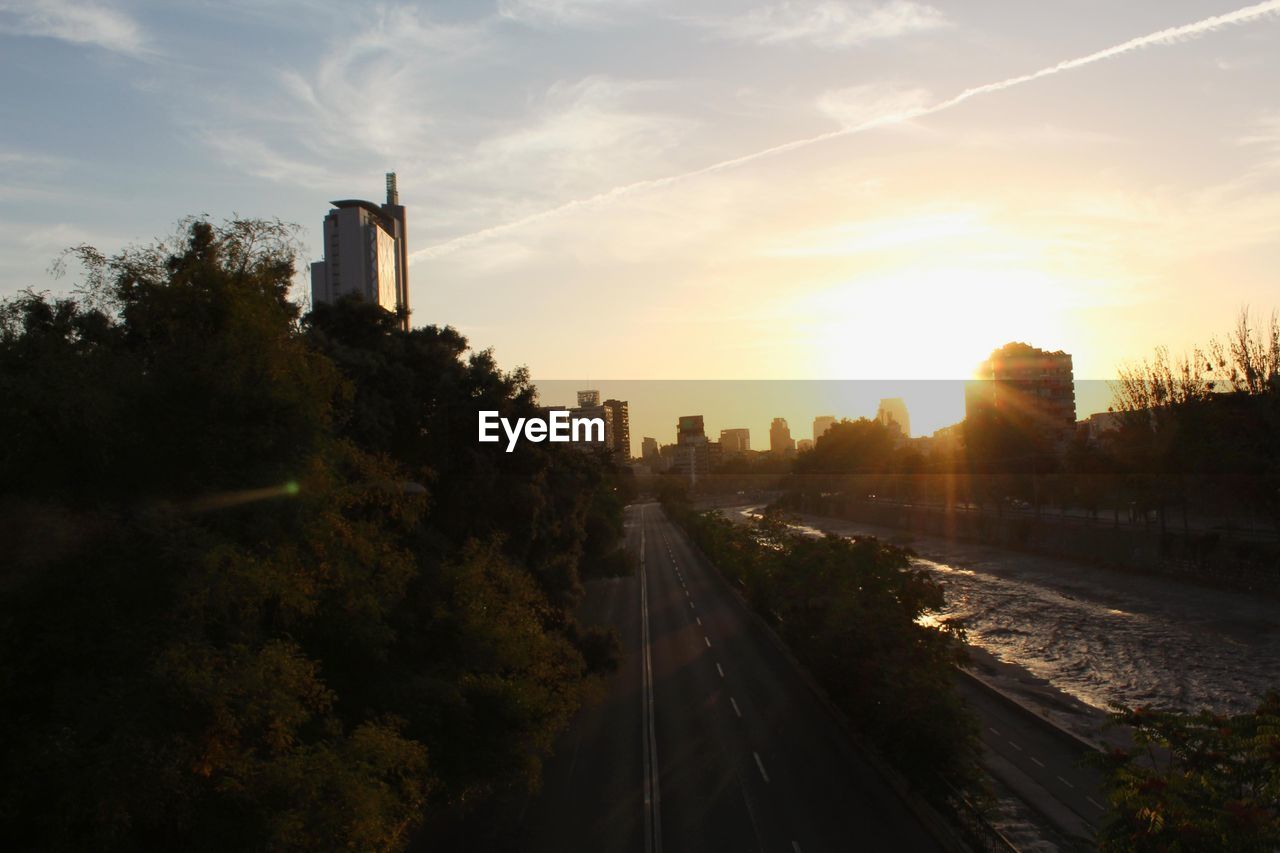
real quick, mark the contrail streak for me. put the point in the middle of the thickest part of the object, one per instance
(1165, 36)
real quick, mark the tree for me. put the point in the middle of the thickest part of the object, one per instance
(259, 592)
(1196, 781)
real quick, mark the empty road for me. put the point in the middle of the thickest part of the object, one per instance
(708, 738)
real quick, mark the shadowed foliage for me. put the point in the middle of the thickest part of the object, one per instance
(262, 590)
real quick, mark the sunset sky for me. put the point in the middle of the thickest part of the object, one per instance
(739, 189)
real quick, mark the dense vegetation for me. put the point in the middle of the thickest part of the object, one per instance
(261, 589)
(856, 615)
(1197, 782)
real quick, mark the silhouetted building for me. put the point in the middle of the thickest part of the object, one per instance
(821, 424)
(715, 455)
(366, 254)
(804, 444)
(690, 427)
(780, 441)
(591, 440)
(692, 455)
(620, 418)
(735, 442)
(891, 411)
(649, 450)
(1029, 386)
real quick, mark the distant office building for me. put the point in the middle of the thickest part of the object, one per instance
(692, 456)
(1029, 385)
(588, 398)
(804, 444)
(620, 419)
(891, 411)
(1096, 425)
(649, 450)
(821, 424)
(593, 441)
(689, 428)
(366, 254)
(735, 442)
(780, 441)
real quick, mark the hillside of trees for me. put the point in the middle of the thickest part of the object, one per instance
(262, 590)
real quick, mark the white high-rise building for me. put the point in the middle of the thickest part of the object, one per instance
(365, 254)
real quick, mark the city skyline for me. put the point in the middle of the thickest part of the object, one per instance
(656, 405)
(852, 190)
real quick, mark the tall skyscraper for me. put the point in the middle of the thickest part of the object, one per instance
(366, 254)
(780, 441)
(891, 411)
(821, 424)
(621, 419)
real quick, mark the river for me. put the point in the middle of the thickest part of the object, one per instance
(1101, 635)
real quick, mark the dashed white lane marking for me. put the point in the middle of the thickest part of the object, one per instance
(686, 593)
(1037, 761)
(1095, 804)
(735, 707)
(760, 764)
(699, 618)
(1015, 746)
(690, 605)
(720, 670)
(1065, 782)
(707, 640)
(795, 845)
(993, 731)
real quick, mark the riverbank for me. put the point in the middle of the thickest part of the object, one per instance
(1070, 637)
(1212, 558)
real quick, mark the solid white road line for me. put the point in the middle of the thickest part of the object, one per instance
(760, 764)
(652, 798)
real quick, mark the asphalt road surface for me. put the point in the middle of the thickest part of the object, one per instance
(708, 738)
(1047, 769)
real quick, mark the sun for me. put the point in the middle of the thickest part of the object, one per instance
(931, 322)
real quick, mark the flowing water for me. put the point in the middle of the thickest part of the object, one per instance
(1102, 635)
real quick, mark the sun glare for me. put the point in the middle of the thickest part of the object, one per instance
(930, 322)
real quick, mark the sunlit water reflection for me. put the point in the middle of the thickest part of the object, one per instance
(1102, 635)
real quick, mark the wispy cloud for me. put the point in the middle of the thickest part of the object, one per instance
(828, 23)
(76, 22)
(1171, 35)
(565, 12)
